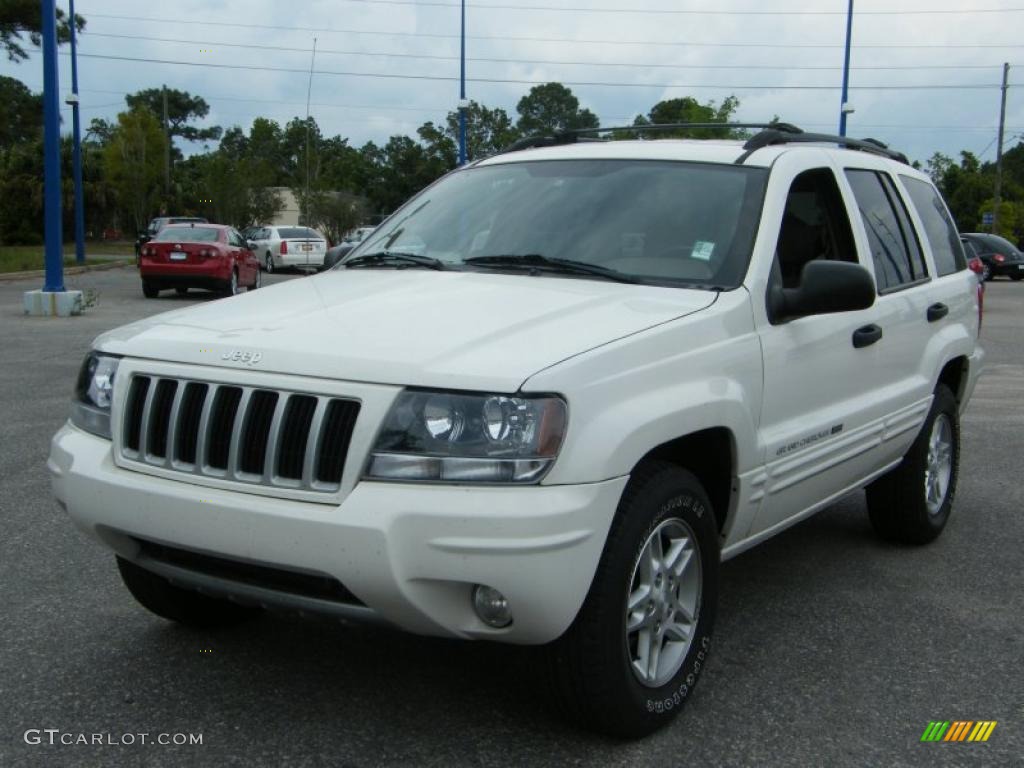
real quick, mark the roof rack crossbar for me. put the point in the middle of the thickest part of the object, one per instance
(571, 137)
(770, 137)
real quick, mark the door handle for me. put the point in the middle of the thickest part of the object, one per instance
(866, 336)
(937, 312)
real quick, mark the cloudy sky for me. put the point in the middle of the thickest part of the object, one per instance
(386, 66)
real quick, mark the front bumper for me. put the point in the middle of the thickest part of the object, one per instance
(410, 553)
(1012, 269)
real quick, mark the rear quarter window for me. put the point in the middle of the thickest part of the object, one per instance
(939, 229)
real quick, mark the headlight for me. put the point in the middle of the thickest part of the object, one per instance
(90, 409)
(461, 438)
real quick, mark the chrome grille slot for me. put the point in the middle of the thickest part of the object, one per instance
(221, 426)
(338, 425)
(160, 418)
(291, 455)
(188, 422)
(244, 434)
(253, 451)
(133, 414)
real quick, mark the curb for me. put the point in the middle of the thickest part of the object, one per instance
(12, 276)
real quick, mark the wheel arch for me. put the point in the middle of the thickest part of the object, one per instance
(710, 454)
(954, 375)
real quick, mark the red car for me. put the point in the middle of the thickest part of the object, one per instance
(211, 256)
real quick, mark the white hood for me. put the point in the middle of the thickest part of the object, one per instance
(464, 330)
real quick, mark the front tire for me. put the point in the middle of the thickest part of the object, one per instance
(986, 273)
(157, 595)
(911, 504)
(257, 281)
(638, 645)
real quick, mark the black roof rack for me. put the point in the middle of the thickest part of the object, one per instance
(571, 137)
(769, 134)
(772, 137)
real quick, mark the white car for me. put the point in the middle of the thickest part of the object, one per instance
(301, 248)
(543, 402)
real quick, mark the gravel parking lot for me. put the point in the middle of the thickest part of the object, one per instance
(831, 648)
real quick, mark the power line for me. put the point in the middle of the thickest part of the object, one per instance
(649, 43)
(489, 60)
(513, 81)
(430, 108)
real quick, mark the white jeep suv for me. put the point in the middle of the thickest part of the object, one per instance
(543, 401)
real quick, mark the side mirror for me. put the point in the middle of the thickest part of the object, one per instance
(250, 245)
(825, 287)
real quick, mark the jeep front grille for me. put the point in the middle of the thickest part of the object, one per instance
(248, 434)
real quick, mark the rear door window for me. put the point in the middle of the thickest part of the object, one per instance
(939, 228)
(894, 248)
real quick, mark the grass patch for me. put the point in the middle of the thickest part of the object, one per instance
(22, 258)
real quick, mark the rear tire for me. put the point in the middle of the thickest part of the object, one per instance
(1017, 277)
(638, 645)
(911, 504)
(150, 290)
(157, 595)
(232, 287)
(268, 264)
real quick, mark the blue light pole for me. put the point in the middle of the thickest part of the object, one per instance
(462, 90)
(844, 107)
(77, 146)
(54, 261)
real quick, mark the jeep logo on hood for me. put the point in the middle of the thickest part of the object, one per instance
(238, 356)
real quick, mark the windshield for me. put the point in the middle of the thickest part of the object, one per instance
(298, 233)
(660, 222)
(180, 234)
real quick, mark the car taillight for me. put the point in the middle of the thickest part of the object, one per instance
(205, 253)
(284, 248)
(999, 257)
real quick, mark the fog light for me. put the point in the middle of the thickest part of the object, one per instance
(491, 606)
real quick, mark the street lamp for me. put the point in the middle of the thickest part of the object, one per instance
(76, 145)
(463, 104)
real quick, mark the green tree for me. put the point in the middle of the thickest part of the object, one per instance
(488, 131)
(335, 213)
(689, 110)
(19, 17)
(552, 108)
(183, 109)
(22, 116)
(134, 160)
(21, 190)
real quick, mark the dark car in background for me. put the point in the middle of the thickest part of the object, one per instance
(350, 241)
(159, 223)
(998, 255)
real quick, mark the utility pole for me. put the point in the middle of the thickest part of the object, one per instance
(54, 280)
(309, 93)
(76, 145)
(999, 150)
(167, 153)
(463, 105)
(844, 106)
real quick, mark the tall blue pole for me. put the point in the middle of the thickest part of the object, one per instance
(462, 90)
(77, 146)
(846, 71)
(54, 280)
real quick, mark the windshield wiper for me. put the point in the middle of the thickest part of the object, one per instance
(395, 259)
(537, 261)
